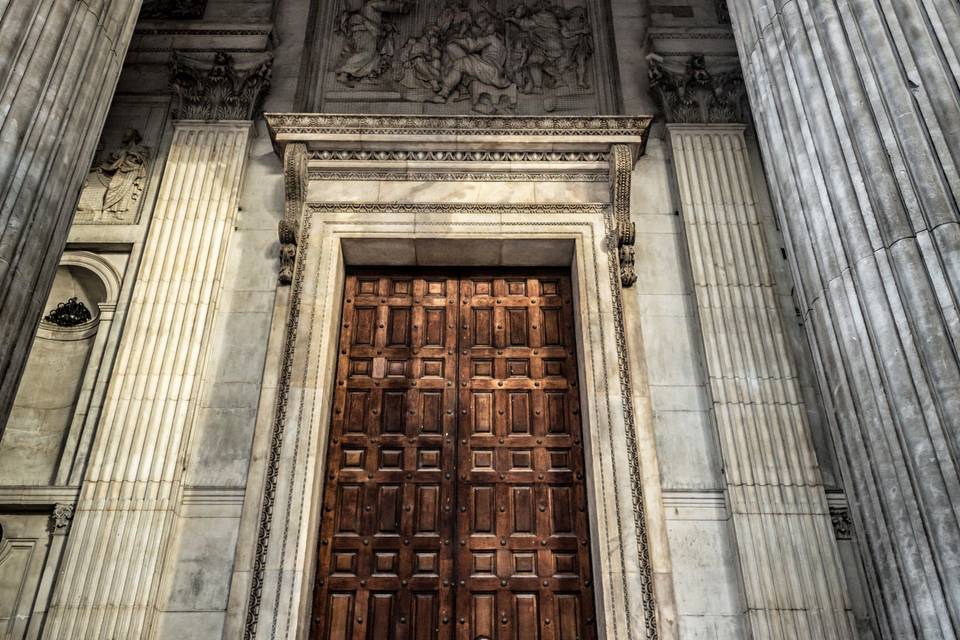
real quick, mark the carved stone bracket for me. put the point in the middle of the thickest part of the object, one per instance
(295, 174)
(696, 95)
(218, 90)
(842, 524)
(625, 231)
(61, 517)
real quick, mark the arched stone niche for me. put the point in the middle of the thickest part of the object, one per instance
(38, 435)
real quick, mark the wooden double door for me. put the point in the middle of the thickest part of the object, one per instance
(455, 503)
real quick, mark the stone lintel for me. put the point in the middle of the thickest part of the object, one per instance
(462, 133)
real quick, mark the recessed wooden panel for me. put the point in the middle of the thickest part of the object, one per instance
(356, 411)
(364, 325)
(398, 327)
(434, 329)
(340, 616)
(380, 616)
(431, 411)
(483, 327)
(424, 616)
(454, 505)
(551, 327)
(484, 619)
(482, 508)
(520, 412)
(482, 412)
(428, 509)
(394, 411)
(517, 325)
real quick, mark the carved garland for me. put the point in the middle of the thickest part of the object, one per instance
(295, 185)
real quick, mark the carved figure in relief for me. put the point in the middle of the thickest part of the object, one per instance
(476, 59)
(577, 44)
(540, 27)
(370, 38)
(115, 186)
(420, 64)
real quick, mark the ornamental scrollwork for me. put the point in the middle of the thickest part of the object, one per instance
(295, 185)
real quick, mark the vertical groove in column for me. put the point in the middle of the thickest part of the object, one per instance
(59, 63)
(858, 110)
(789, 561)
(126, 508)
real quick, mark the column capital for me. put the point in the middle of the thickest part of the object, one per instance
(219, 88)
(696, 94)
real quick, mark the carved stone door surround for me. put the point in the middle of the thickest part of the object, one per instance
(446, 191)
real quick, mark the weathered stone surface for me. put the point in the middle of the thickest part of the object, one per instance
(59, 63)
(857, 109)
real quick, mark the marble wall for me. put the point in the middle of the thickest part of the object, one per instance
(203, 593)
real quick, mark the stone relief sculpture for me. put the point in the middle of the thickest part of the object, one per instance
(370, 38)
(113, 188)
(469, 50)
(173, 9)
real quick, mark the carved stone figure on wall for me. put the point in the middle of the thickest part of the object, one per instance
(467, 50)
(369, 36)
(478, 62)
(114, 187)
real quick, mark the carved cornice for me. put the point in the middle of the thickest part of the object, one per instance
(477, 175)
(695, 95)
(217, 90)
(461, 133)
(295, 187)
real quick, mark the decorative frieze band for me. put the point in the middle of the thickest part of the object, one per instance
(295, 187)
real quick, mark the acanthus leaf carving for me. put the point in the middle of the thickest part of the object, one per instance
(621, 174)
(217, 90)
(695, 95)
(114, 187)
(295, 159)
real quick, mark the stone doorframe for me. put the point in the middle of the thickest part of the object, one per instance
(430, 191)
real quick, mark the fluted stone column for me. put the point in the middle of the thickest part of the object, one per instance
(59, 65)
(792, 574)
(858, 111)
(125, 514)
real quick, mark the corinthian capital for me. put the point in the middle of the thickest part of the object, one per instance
(219, 89)
(697, 95)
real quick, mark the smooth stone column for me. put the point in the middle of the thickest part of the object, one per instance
(111, 569)
(792, 573)
(858, 112)
(59, 65)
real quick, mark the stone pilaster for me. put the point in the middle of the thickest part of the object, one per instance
(858, 115)
(792, 574)
(125, 513)
(59, 64)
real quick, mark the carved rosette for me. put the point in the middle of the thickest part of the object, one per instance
(295, 184)
(696, 95)
(217, 89)
(621, 172)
